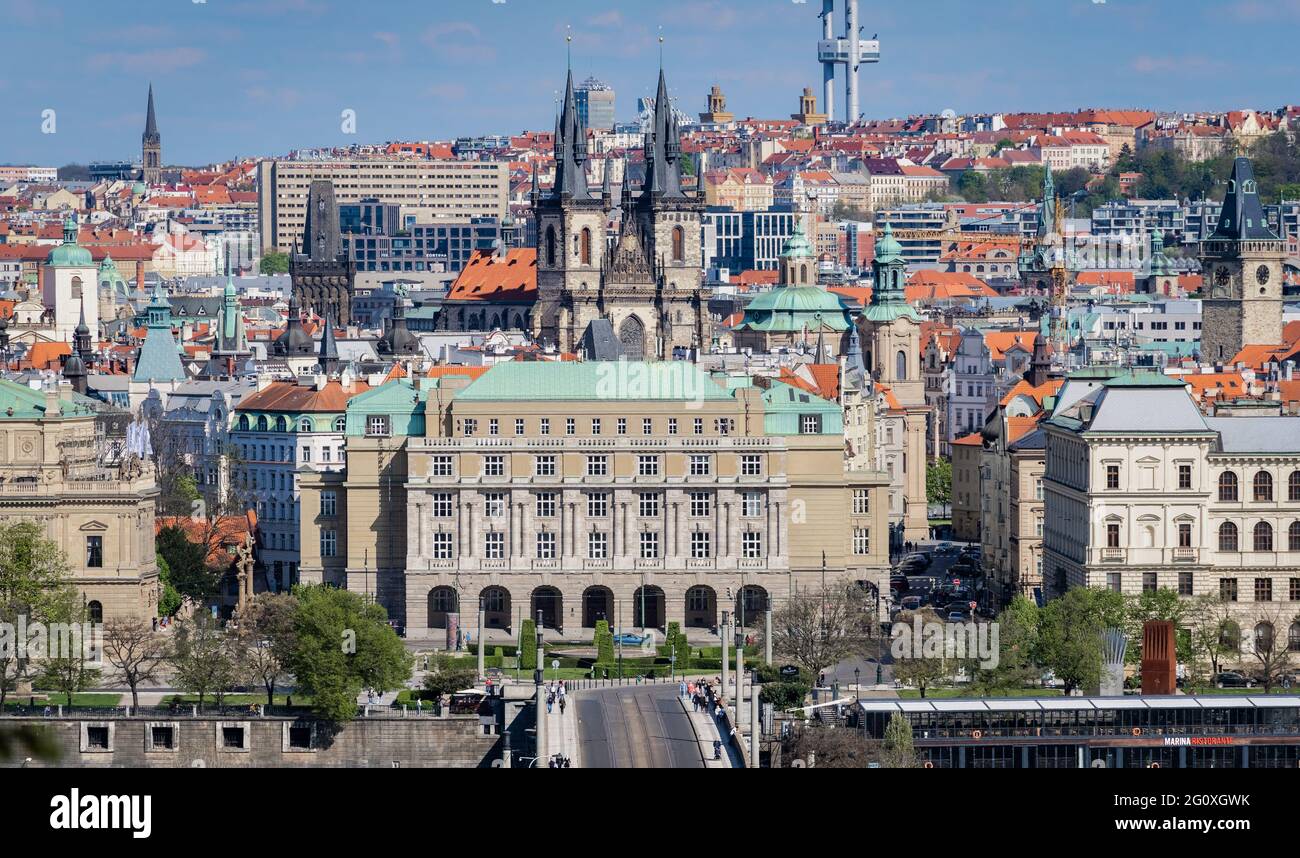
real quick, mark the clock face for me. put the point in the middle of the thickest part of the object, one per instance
(1262, 274)
(1222, 277)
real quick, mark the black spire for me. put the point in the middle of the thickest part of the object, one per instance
(81, 338)
(607, 187)
(663, 149)
(151, 134)
(1243, 216)
(329, 348)
(571, 149)
(294, 342)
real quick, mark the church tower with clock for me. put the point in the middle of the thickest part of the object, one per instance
(1242, 266)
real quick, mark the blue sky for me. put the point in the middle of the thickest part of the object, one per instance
(260, 77)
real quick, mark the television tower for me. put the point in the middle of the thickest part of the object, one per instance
(850, 51)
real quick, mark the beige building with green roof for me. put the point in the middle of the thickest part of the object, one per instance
(640, 493)
(55, 470)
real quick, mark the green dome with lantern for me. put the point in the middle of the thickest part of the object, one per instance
(70, 254)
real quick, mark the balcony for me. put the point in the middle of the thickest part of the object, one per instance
(697, 563)
(1113, 555)
(1185, 555)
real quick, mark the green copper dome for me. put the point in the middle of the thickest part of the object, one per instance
(887, 248)
(70, 254)
(797, 245)
(794, 308)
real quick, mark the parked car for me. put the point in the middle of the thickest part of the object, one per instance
(910, 603)
(1232, 679)
(956, 617)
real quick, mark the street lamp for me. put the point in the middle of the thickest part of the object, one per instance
(857, 682)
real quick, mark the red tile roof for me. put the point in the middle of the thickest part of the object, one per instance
(490, 277)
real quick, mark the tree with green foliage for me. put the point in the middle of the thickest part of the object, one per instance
(1161, 604)
(604, 644)
(187, 567)
(784, 695)
(169, 601)
(527, 653)
(265, 635)
(1070, 634)
(1004, 143)
(34, 583)
(446, 677)
(938, 483)
(204, 659)
(973, 187)
(274, 262)
(65, 666)
(343, 645)
(1017, 665)
(679, 646)
(897, 751)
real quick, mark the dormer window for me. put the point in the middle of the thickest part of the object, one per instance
(377, 426)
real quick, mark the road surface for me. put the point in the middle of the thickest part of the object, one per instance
(635, 727)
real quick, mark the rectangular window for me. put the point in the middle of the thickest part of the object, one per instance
(1149, 582)
(1263, 589)
(519, 425)
(700, 466)
(329, 543)
(1228, 589)
(494, 427)
(1184, 535)
(546, 546)
(595, 425)
(494, 545)
(471, 427)
(810, 424)
(306, 454)
(1112, 476)
(622, 425)
(547, 504)
(544, 466)
(329, 504)
(597, 545)
(751, 465)
(647, 466)
(1112, 535)
(545, 426)
(647, 426)
(440, 505)
(1115, 581)
(1184, 477)
(861, 502)
(94, 552)
(1185, 583)
(494, 466)
(597, 505)
(724, 425)
(861, 541)
(701, 545)
(494, 505)
(1295, 590)
(672, 425)
(597, 466)
(648, 505)
(699, 425)
(442, 546)
(570, 426)
(751, 504)
(440, 466)
(649, 545)
(751, 545)
(701, 504)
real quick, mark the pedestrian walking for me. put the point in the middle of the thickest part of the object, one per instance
(562, 706)
(550, 701)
